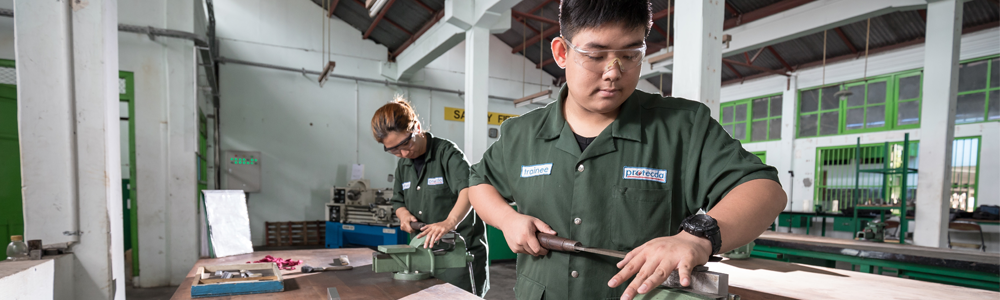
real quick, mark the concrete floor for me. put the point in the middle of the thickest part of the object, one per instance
(502, 279)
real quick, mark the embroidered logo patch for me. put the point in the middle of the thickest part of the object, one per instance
(646, 174)
(406, 185)
(536, 170)
(435, 181)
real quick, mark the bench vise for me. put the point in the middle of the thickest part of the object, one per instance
(414, 262)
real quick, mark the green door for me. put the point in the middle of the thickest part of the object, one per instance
(11, 216)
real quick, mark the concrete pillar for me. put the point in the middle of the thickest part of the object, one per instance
(937, 116)
(698, 52)
(786, 156)
(67, 64)
(477, 71)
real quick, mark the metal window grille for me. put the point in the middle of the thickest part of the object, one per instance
(836, 174)
(8, 75)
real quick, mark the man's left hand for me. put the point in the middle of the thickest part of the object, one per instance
(653, 262)
(435, 231)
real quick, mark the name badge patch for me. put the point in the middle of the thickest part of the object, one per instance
(646, 174)
(406, 185)
(435, 181)
(536, 170)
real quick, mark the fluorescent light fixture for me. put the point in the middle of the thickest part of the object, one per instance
(326, 72)
(533, 98)
(374, 6)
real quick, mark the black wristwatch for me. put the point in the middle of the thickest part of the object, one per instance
(702, 225)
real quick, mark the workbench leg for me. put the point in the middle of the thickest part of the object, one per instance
(822, 231)
(879, 270)
(809, 221)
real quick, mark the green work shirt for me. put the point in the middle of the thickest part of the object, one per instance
(431, 195)
(660, 161)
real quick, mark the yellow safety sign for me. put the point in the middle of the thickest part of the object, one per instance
(458, 114)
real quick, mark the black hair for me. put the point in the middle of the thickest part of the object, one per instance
(576, 15)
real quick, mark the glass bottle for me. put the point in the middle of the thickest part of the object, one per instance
(17, 250)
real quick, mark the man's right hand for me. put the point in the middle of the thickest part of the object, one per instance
(405, 217)
(520, 230)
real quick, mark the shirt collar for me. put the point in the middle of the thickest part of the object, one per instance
(628, 124)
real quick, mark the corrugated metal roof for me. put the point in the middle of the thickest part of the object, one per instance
(888, 29)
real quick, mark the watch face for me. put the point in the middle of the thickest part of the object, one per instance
(702, 222)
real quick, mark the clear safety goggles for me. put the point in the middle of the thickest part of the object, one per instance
(602, 61)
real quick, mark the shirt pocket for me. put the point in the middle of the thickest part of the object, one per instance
(527, 289)
(639, 216)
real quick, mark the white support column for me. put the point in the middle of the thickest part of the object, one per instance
(786, 156)
(67, 63)
(477, 71)
(937, 116)
(698, 52)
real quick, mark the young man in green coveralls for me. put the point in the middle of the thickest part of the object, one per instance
(431, 186)
(617, 168)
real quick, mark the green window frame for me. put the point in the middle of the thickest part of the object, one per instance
(762, 155)
(978, 92)
(836, 173)
(753, 120)
(880, 103)
(865, 107)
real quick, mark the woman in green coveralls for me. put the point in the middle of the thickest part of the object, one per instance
(431, 186)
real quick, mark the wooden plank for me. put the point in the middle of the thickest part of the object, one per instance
(906, 249)
(767, 279)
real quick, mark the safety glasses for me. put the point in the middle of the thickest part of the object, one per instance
(602, 61)
(404, 144)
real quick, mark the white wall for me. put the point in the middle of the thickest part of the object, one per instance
(802, 155)
(308, 135)
(35, 282)
(166, 138)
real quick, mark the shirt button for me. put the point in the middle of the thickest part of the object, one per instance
(577, 221)
(418, 188)
(575, 274)
(579, 168)
(420, 212)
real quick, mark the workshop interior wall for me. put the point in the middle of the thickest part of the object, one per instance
(799, 155)
(309, 136)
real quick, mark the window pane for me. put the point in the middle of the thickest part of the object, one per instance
(774, 132)
(727, 114)
(807, 125)
(909, 87)
(875, 116)
(758, 131)
(994, 105)
(909, 113)
(970, 108)
(741, 112)
(809, 101)
(855, 118)
(830, 101)
(741, 131)
(776, 106)
(857, 97)
(972, 76)
(829, 122)
(876, 93)
(759, 108)
(995, 73)
(729, 129)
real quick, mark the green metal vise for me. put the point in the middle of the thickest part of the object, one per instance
(874, 231)
(705, 285)
(743, 252)
(414, 262)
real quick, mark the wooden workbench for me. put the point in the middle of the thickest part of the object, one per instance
(767, 279)
(359, 283)
(942, 257)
